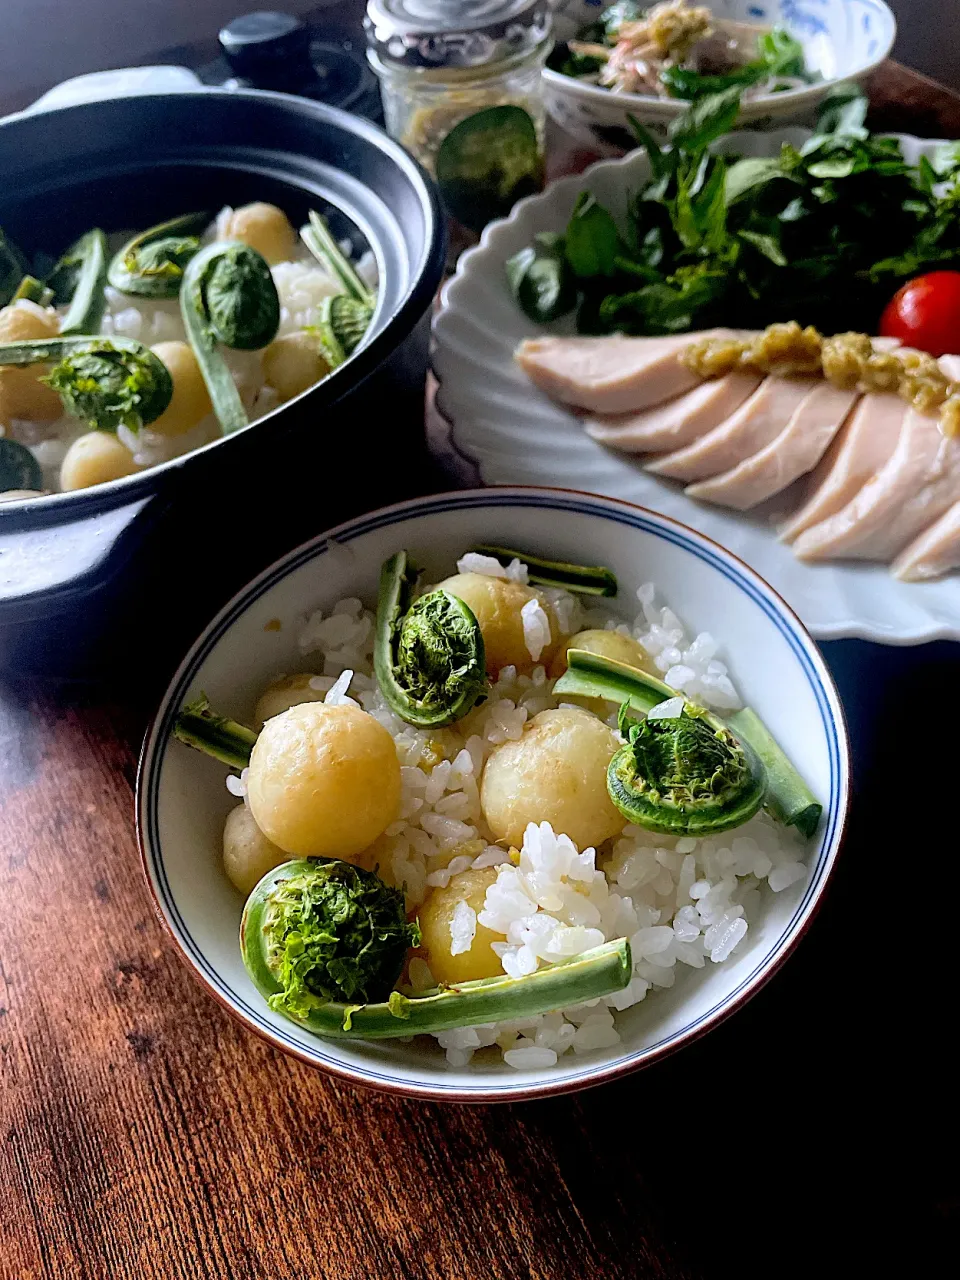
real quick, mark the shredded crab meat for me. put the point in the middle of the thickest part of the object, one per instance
(663, 37)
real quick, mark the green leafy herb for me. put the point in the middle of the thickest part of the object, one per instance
(685, 774)
(428, 654)
(541, 279)
(228, 296)
(570, 62)
(745, 242)
(704, 122)
(329, 931)
(778, 54)
(106, 382)
(79, 279)
(592, 243)
(152, 263)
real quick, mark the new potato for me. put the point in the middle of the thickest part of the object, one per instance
(247, 853)
(191, 399)
(95, 458)
(496, 605)
(324, 781)
(557, 773)
(436, 942)
(286, 692)
(22, 394)
(265, 228)
(292, 363)
(608, 644)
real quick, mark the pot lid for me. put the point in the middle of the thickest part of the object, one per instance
(454, 33)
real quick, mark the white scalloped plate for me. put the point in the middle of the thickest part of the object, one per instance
(516, 435)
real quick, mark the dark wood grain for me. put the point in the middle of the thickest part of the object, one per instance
(904, 101)
(146, 1136)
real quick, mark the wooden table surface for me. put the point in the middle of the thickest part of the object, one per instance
(145, 1134)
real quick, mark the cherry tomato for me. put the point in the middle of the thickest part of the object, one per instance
(925, 314)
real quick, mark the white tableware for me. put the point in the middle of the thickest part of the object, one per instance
(842, 40)
(182, 800)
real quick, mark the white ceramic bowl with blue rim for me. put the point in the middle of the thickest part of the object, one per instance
(182, 800)
(842, 40)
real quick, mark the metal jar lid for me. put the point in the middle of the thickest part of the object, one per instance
(454, 33)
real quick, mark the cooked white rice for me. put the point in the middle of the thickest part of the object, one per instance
(679, 901)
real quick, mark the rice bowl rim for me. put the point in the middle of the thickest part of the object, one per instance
(159, 735)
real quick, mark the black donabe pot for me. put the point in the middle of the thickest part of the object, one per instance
(125, 572)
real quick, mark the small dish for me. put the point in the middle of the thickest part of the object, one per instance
(842, 40)
(182, 801)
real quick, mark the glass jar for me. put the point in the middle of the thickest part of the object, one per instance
(461, 88)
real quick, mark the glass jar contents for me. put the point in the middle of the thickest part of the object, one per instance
(460, 81)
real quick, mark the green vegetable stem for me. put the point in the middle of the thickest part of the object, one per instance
(80, 279)
(344, 317)
(785, 794)
(588, 580)
(228, 741)
(322, 939)
(13, 267)
(106, 382)
(319, 239)
(228, 297)
(152, 263)
(33, 290)
(428, 652)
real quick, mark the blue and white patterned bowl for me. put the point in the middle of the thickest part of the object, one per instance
(182, 801)
(842, 40)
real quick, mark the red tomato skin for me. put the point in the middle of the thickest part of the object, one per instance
(925, 313)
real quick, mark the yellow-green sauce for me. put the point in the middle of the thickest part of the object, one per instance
(847, 360)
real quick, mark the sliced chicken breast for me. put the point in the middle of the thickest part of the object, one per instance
(758, 421)
(679, 421)
(795, 451)
(919, 482)
(934, 553)
(611, 374)
(862, 446)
